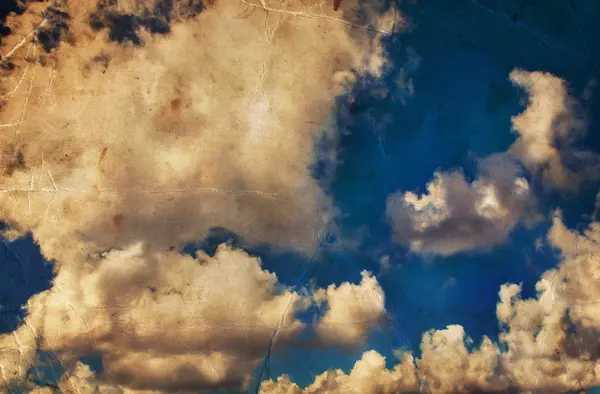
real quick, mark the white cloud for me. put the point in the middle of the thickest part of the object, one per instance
(206, 321)
(456, 215)
(369, 376)
(158, 143)
(135, 149)
(548, 128)
(352, 311)
(168, 322)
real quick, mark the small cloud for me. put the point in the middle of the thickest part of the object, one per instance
(456, 216)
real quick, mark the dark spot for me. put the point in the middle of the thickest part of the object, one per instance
(7, 65)
(171, 248)
(13, 161)
(118, 220)
(514, 18)
(176, 106)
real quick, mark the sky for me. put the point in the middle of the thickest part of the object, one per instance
(278, 197)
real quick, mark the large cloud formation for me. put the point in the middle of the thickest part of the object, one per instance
(212, 125)
(168, 322)
(129, 128)
(457, 216)
(547, 344)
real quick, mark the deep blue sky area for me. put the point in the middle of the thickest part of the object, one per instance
(461, 110)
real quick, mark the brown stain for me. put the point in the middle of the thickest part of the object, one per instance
(118, 220)
(176, 107)
(101, 160)
(102, 156)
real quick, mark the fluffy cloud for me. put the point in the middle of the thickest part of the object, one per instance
(547, 344)
(456, 215)
(547, 130)
(81, 380)
(134, 141)
(115, 143)
(352, 311)
(556, 334)
(369, 376)
(17, 352)
(167, 322)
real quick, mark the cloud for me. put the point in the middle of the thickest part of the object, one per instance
(547, 344)
(548, 129)
(81, 380)
(121, 142)
(352, 311)
(17, 352)
(456, 216)
(165, 321)
(168, 322)
(369, 376)
(113, 144)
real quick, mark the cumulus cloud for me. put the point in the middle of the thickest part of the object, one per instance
(546, 344)
(455, 215)
(17, 352)
(548, 128)
(168, 322)
(141, 128)
(112, 143)
(352, 311)
(369, 376)
(81, 380)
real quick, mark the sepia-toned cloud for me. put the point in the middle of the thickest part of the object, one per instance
(548, 129)
(546, 344)
(456, 216)
(114, 143)
(130, 128)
